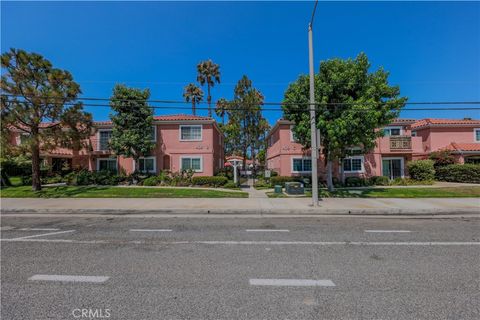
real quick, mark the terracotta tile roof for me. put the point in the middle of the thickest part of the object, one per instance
(463, 146)
(173, 117)
(428, 122)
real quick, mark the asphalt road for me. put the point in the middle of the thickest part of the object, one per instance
(324, 268)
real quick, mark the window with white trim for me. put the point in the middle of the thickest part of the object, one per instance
(353, 164)
(301, 165)
(191, 133)
(107, 164)
(477, 134)
(191, 163)
(147, 164)
(153, 134)
(104, 137)
(392, 131)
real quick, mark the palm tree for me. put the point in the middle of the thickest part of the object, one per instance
(193, 93)
(221, 107)
(208, 73)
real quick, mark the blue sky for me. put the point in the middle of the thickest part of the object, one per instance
(432, 49)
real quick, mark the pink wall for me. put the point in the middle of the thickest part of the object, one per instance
(435, 138)
(168, 150)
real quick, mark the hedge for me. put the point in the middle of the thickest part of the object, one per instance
(280, 180)
(215, 181)
(421, 170)
(467, 173)
(379, 181)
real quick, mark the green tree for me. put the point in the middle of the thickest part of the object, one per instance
(351, 103)
(132, 123)
(208, 73)
(246, 126)
(41, 102)
(194, 94)
(221, 109)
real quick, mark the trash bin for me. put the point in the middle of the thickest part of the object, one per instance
(278, 188)
(294, 188)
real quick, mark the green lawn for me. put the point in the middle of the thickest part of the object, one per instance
(453, 192)
(115, 192)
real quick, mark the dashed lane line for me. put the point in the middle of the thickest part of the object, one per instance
(292, 282)
(68, 278)
(39, 235)
(388, 231)
(150, 230)
(267, 230)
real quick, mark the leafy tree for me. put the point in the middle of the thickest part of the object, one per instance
(194, 94)
(41, 102)
(351, 103)
(208, 73)
(246, 126)
(221, 108)
(132, 123)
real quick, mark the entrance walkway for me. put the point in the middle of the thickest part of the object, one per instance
(252, 192)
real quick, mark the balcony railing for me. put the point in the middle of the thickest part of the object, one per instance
(400, 143)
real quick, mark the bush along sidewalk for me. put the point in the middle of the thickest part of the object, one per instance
(466, 173)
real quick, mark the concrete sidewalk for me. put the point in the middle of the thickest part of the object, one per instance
(279, 206)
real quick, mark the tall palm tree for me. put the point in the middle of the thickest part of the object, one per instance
(221, 108)
(208, 73)
(193, 93)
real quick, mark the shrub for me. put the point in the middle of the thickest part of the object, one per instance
(409, 182)
(379, 181)
(442, 158)
(421, 170)
(84, 178)
(215, 181)
(280, 180)
(230, 185)
(151, 181)
(355, 182)
(262, 184)
(467, 173)
(27, 180)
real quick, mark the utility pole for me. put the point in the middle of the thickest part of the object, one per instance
(313, 124)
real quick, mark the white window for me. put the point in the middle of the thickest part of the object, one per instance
(194, 163)
(104, 137)
(191, 133)
(153, 134)
(147, 164)
(392, 131)
(107, 164)
(22, 138)
(477, 134)
(301, 165)
(353, 164)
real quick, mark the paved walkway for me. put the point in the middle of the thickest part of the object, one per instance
(287, 206)
(252, 192)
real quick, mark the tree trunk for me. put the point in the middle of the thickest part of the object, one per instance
(193, 107)
(342, 172)
(209, 98)
(329, 176)
(36, 182)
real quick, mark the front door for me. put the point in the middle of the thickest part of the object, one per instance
(392, 168)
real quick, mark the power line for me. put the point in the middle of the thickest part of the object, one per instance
(264, 103)
(262, 109)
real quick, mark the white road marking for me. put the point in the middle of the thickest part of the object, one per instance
(42, 235)
(388, 231)
(263, 243)
(292, 282)
(38, 229)
(150, 230)
(66, 278)
(267, 230)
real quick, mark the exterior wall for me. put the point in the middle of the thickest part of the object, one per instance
(281, 149)
(168, 150)
(436, 138)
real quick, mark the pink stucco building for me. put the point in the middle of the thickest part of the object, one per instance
(404, 140)
(181, 142)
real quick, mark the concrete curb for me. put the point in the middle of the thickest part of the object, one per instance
(247, 212)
